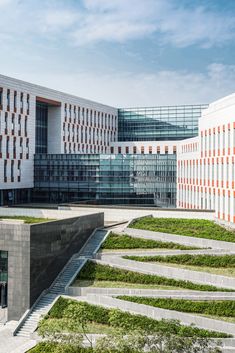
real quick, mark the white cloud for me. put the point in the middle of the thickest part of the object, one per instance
(120, 20)
(4, 2)
(117, 21)
(57, 20)
(161, 88)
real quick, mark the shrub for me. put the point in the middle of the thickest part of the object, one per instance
(93, 271)
(198, 228)
(63, 307)
(129, 322)
(217, 261)
(52, 347)
(124, 241)
(219, 308)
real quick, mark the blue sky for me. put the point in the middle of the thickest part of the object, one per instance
(122, 52)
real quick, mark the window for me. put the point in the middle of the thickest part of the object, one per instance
(166, 149)
(142, 149)
(21, 102)
(25, 126)
(0, 146)
(19, 170)
(127, 149)
(1, 96)
(12, 171)
(158, 149)
(6, 123)
(14, 147)
(21, 148)
(28, 104)
(13, 124)
(112, 150)
(174, 149)
(5, 170)
(27, 148)
(8, 99)
(150, 150)
(119, 150)
(15, 101)
(134, 150)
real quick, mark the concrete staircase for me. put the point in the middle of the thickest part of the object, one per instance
(29, 324)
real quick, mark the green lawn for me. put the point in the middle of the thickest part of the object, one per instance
(215, 308)
(124, 241)
(189, 227)
(27, 220)
(97, 272)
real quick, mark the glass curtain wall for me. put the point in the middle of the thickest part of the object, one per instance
(159, 123)
(106, 179)
(41, 127)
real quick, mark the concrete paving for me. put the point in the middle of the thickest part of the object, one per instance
(11, 344)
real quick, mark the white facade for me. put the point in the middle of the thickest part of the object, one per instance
(75, 125)
(206, 163)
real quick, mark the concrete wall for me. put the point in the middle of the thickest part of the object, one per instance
(158, 313)
(52, 245)
(37, 253)
(15, 238)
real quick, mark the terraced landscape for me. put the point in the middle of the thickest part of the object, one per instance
(149, 282)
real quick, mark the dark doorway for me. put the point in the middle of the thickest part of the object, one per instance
(3, 278)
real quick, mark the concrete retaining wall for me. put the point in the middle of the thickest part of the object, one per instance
(170, 272)
(154, 293)
(161, 252)
(185, 240)
(158, 313)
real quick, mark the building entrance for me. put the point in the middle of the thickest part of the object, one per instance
(3, 278)
(3, 295)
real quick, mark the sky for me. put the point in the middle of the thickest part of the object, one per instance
(124, 53)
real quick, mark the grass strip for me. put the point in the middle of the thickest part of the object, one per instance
(119, 319)
(189, 227)
(124, 241)
(26, 219)
(97, 272)
(223, 308)
(217, 261)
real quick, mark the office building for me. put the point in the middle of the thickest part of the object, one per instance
(206, 163)
(84, 147)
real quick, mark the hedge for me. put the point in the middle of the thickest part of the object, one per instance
(92, 271)
(198, 228)
(124, 241)
(127, 321)
(219, 308)
(52, 347)
(216, 261)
